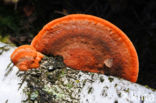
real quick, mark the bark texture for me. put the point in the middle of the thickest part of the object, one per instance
(53, 82)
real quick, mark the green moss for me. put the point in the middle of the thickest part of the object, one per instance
(119, 94)
(69, 85)
(104, 93)
(54, 91)
(90, 90)
(110, 79)
(84, 82)
(126, 90)
(77, 81)
(115, 101)
(3, 49)
(63, 72)
(142, 99)
(149, 88)
(34, 95)
(115, 85)
(92, 75)
(101, 79)
(5, 39)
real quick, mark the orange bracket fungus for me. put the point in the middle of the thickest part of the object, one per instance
(86, 43)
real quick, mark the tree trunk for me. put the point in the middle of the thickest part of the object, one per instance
(53, 82)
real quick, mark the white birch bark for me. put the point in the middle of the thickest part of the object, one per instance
(67, 85)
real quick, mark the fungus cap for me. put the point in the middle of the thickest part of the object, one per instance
(91, 44)
(26, 57)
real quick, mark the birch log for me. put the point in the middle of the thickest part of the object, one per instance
(53, 82)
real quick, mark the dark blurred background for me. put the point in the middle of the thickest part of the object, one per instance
(21, 20)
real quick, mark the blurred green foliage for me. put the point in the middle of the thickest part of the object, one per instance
(8, 23)
(21, 20)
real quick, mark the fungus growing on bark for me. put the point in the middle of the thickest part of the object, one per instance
(86, 43)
